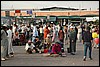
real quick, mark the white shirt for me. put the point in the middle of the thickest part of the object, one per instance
(27, 46)
(23, 28)
(79, 30)
(9, 33)
(14, 29)
(41, 30)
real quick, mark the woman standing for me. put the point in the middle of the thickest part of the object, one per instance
(61, 36)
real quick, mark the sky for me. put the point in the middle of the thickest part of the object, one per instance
(94, 5)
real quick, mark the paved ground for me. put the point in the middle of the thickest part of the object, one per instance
(22, 59)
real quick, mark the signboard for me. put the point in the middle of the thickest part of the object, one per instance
(17, 11)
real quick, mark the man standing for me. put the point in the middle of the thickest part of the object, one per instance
(10, 49)
(72, 37)
(87, 41)
(4, 44)
(35, 33)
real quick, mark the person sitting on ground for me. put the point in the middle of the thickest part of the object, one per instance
(57, 49)
(29, 47)
(16, 39)
(47, 42)
(37, 44)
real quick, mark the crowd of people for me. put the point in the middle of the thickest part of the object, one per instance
(48, 38)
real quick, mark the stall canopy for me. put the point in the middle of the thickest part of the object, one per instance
(52, 18)
(41, 17)
(76, 17)
(89, 15)
(22, 17)
(62, 17)
(37, 17)
(92, 19)
(70, 17)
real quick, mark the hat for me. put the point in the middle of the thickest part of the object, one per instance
(5, 25)
(48, 35)
(93, 30)
(51, 22)
(72, 27)
(29, 41)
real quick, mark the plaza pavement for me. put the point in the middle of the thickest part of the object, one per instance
(22, 59)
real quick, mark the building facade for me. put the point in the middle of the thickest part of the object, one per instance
(52, 14)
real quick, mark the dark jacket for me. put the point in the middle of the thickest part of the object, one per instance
(87, 36)
(72, 35)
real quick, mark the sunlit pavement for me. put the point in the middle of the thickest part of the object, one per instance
(22, 59)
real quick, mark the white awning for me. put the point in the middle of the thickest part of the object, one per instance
(92, 18)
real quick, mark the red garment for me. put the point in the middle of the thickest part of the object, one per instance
(56, 49)
(97, 31)
(45, 50)
(22, 38)
(46, 31)
(61, 35)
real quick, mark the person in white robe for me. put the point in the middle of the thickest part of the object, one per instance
(10, 47)
(4, 44)
(35, 33)
(29, 47)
